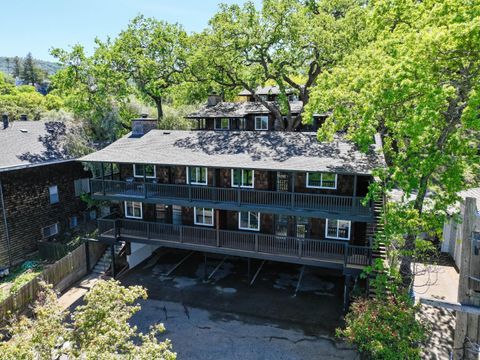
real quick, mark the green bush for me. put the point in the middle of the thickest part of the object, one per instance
(384, 328)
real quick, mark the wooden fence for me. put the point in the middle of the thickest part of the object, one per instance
(61, 275)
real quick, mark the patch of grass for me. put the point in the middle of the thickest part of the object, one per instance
(18, 277)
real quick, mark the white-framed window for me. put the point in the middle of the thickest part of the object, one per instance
(338, 229)
(133, 210)
(249, 220)
(139, 170)
(222, 124)
(73, 222)
(53, 192)
(243, 178)
(203, 216)
(197, 175)
(82, 186)
(50, 230)
(261, 122)
(321, 180)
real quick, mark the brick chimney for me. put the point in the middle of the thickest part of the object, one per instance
(5, 120)
(143, 125)
(214, 99)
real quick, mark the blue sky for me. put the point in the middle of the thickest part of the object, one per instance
(38, 25)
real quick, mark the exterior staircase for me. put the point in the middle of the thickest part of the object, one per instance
(104, 263)
(379, 251)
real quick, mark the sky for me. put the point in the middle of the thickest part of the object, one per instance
(38, 25)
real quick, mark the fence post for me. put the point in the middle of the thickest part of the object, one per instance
(87, 256)
(189, 193)
(239, 196)
(345, 255)
(300, 246)
(148, 230)
(181, 234)
(256, 242)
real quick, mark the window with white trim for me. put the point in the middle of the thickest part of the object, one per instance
(222, 124)
(140, 170)
(338, 229)
(321, 180)
(248, 220)
(82, 186)
(53, 193)
(49, 231)
(261, 122)
(243, 178)
(197, 175)
(203, 216)
(133, 210)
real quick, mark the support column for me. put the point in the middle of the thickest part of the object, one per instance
(102, 174)
(205, 267)
(293, 179)
(354, 191)
(144, 181)
(346, 292)
(217, 226)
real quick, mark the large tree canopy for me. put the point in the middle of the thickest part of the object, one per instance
(152, 55)
(416, 83)
(288, 43)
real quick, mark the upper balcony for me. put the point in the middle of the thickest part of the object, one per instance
(241, 199)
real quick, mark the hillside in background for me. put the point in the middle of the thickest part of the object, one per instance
(48, 66)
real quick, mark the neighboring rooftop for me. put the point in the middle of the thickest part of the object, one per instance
(238, 109)
(269, 150)
(266, 90)
(27, 143)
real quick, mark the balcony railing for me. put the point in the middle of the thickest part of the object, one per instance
(277, 247)
(236, 196)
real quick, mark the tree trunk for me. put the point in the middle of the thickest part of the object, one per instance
(158, 104)
(408, 249)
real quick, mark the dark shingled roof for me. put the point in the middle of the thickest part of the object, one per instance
(269, 150)
(29, 143)
(238, 109)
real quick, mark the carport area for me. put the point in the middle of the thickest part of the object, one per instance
(229, 308)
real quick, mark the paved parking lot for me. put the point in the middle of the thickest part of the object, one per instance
(227, 318)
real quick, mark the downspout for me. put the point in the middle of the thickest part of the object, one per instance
(4, 213)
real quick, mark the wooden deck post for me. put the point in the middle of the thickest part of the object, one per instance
(217, 226)
(102, 174)
(293, 177)
(354, 198)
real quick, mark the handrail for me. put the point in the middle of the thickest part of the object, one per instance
(238, 196)
(329, 250)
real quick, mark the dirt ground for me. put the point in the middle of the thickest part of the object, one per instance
(227, 318)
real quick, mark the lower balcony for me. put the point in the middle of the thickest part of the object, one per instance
(323, 253)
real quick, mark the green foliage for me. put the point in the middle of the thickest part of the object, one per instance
(152, 55)
(414, 81)
(286, 43)
(99, 329)
(384, 328)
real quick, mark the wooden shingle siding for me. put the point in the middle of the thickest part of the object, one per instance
(28, 208)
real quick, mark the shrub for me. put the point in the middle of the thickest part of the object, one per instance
(384, 328)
